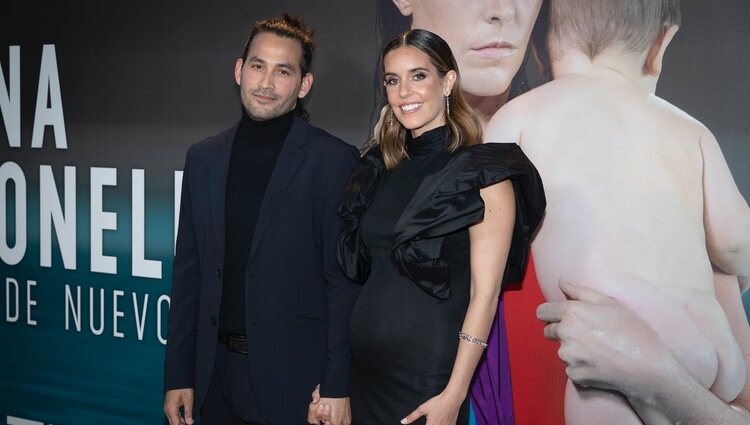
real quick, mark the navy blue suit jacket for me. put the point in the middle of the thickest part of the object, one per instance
(298, 302)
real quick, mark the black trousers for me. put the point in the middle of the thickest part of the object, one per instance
(231, 398)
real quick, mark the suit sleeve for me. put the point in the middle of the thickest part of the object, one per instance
(179, 362)
(340, 291)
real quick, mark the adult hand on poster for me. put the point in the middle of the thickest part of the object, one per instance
(173, 400)
(604, 344)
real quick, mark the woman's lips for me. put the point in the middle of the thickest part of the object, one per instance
(409, 108)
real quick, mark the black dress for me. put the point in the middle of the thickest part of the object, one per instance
(406, 236)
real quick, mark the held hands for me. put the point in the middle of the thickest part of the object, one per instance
(439, 410)
(603, 343)
(173, 400)
(328, 411)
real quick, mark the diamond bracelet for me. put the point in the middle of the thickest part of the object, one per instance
(471, 339)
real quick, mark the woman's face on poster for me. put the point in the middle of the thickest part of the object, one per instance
(487, 37)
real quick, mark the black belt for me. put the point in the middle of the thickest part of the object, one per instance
(235, 342)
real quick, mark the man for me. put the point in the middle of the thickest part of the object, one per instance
(260, 310)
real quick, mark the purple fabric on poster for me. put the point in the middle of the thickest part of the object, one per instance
(491, 392)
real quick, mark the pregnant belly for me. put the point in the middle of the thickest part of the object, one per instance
(397, 325)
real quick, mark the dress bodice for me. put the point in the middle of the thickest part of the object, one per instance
(445, 199)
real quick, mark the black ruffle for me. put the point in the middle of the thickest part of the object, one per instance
(351, 252)
(445, 202)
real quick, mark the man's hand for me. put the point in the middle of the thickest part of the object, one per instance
(604, 344)
(312, 410)
(173, 400)
(328, 411)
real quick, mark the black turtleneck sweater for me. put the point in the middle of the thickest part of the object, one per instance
(255, 150)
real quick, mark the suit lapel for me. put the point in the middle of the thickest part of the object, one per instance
(218, 169)
(290, 158)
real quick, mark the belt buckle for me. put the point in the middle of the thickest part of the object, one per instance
(234, 342)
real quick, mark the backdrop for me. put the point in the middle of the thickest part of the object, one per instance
(100, 101)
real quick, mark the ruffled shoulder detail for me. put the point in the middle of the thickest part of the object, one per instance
(449, 200)
(351, 252)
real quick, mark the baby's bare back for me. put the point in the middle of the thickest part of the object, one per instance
(623, 177)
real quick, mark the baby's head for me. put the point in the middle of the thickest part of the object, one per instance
(639, 28)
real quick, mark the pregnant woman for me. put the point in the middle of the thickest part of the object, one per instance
(434, 223)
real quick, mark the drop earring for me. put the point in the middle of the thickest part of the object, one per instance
(447, 104)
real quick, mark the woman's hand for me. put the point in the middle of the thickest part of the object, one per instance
(439, 410)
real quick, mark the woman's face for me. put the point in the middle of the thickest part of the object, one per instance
(415, 90)
(488, 37)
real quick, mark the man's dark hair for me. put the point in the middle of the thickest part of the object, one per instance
(289, 27)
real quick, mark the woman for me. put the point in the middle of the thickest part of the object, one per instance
(488, 83)
(423, 203)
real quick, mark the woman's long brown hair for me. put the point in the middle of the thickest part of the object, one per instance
(465, 129)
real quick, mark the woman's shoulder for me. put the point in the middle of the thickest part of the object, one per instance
(484, 164)
(492, 155)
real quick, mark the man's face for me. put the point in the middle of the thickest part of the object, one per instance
(270, 78)
(487, 37)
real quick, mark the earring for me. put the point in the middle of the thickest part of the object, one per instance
(390, 118)
(447, 104)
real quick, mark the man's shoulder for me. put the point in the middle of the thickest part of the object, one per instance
(326, 143)
(210, 143)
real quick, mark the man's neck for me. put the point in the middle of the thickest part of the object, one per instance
(272, 129)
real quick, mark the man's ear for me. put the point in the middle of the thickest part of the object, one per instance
(238, 70)
(655, 56)
(307, 82)
(404, 6)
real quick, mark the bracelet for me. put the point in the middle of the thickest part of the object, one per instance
(471, 339)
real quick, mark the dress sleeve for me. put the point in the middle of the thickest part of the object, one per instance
(449, 200)
(351, 253)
